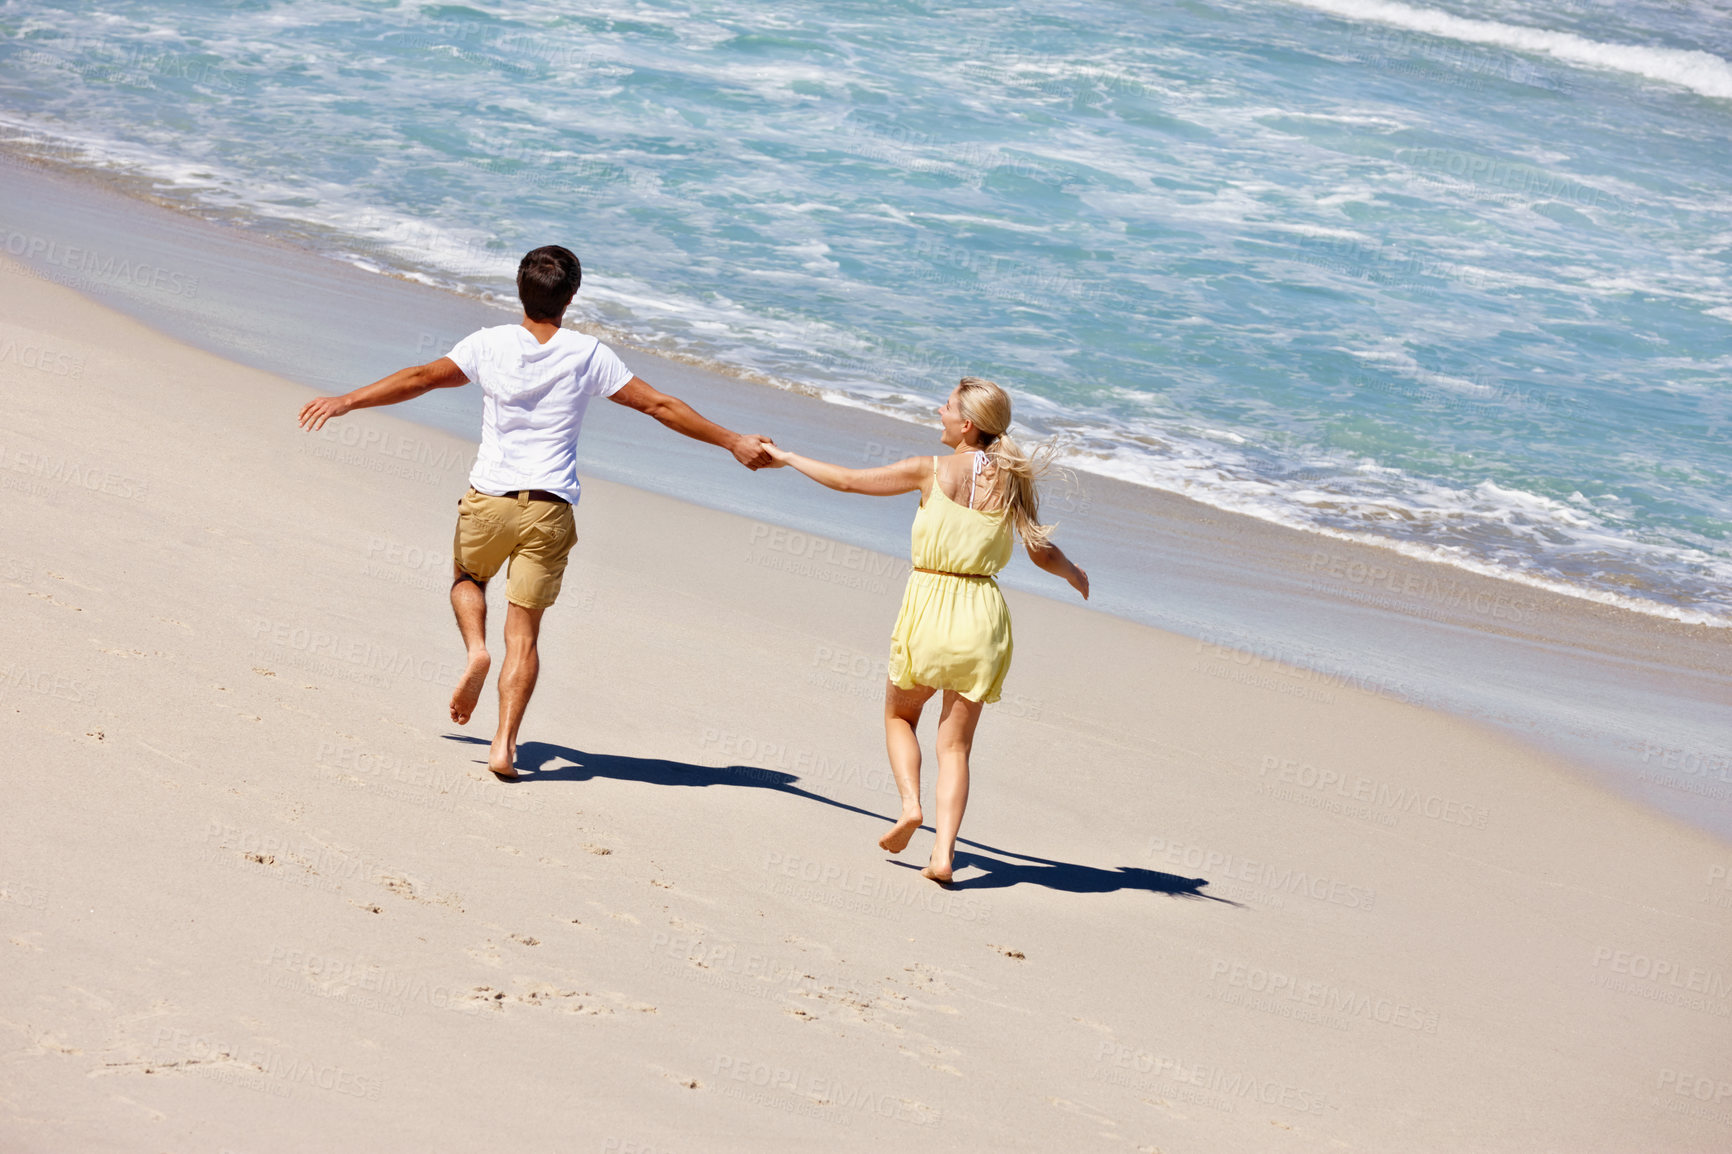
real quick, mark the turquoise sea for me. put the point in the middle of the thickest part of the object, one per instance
(1454, 278)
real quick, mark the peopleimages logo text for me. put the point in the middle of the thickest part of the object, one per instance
(92, 266)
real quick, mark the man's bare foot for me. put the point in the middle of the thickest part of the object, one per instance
(468, 690)
(939, 874)
(897, 839)
(502, 761)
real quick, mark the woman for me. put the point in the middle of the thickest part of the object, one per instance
(953, 634)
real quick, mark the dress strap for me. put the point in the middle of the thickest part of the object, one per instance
(979, 461)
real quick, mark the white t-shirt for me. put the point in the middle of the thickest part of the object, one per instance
(533, 401)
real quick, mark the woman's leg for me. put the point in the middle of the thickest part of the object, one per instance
(901, 714)
(955, 739)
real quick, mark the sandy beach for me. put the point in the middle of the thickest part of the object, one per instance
(260, 895)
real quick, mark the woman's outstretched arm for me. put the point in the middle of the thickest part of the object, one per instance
(885, 481)
(1051, 558)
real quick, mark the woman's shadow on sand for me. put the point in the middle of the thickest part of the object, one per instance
(544, 761)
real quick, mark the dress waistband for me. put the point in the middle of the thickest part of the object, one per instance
(947, 573)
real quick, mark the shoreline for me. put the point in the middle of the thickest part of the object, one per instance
(1630, 695)
(144, 191)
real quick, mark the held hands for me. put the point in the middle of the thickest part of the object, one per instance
(756, 452)
(317, 411)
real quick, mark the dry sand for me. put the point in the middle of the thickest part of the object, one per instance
(260, 895)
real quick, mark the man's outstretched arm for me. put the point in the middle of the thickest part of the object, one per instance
(638, 394)
(402, 385)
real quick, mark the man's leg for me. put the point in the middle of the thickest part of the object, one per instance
(547, 532)
(469, 603)
(484, 539)
(516, 683)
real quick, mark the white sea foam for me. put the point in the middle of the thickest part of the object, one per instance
(1701, 72)
(1360, 500)
(1286, 504)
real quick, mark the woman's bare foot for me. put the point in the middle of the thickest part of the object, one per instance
(502, 760)
(897, 839)
(939, 868)
(468, 690)
(939, 874)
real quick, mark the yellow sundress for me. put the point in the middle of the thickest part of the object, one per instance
(954, 628)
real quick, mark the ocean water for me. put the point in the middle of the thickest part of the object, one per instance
(1453, 277)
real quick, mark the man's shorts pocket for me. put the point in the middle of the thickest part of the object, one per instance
(486, 533)
(538, 566)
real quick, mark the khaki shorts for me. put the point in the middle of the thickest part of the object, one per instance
(536, 536)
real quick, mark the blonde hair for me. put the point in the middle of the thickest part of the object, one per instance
(1015, 472)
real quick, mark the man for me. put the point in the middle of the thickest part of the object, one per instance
(536, 381)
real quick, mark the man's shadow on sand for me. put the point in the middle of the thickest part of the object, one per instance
(544, 761)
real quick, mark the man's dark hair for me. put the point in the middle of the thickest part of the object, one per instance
(547, 279)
